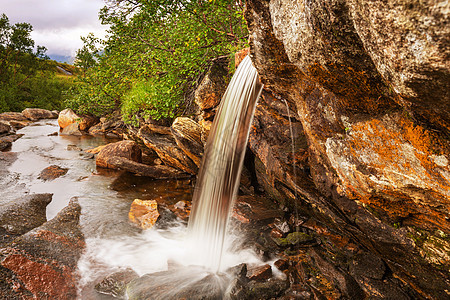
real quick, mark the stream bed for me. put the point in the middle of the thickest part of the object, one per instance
(105, 196)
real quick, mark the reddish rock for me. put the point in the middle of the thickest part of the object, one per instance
(167, 149)
(96, 149)
(96, 130)
(156, 171)
(42, 264)
(144, 213)
(13, 116)
(4, 145)
(67, 117)
(126, 149)
(213, 86)
(4, 128)
(240, 55)
(35, 114)
(87, 122)
(259, 273)
(281, 264)
(52, 172)
(188, 136)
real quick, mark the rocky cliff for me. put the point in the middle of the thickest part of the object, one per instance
(364, 86)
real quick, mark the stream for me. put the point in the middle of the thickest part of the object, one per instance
(105, 196)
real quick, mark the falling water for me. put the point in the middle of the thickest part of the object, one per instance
(219, 175)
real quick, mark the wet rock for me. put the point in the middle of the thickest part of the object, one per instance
(257, 290)
(371, 136)
(87, 122)
(178, 283)
(115, 284)
(22, 215)
(42, 263)
(281, 264)
(4, 145)
(95, 150)
(240, 55)
(72, 129)
(188, 136)
(4, 128)
(259, 273)
(11, 138)
(53, 134)
(368, 265)
(73, 148)
(213, 86)
(13, 116)
(144, 213)
(35, 114)
(157, 171)
(67, 117)
(52, 172)
(126, 149)
(239, 272)
(167, 149)
(96, 130)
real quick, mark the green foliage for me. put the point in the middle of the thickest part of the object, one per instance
(154, 55)
(27, 78)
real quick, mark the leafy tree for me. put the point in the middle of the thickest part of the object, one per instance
(155, 53)
(26, 77)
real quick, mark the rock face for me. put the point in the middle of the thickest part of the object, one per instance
(165, 146)
(42, 263)
(35, 114)
(366, 84)
(188, 136)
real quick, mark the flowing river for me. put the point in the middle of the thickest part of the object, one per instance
(105, 196)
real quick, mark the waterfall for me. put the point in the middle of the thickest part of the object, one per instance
(219, 175)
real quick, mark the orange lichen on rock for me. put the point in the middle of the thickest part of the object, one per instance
(144, 213)
(42, 280)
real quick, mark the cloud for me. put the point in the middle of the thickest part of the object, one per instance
(57, 24)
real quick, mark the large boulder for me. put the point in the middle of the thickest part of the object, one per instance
(369, 84)
(42, 264)
(67, 117)
(126, 149)
(153, 171)
(209, 93)
(4, 128)
(188, 136)
(23, 215)
(12, 116)
(72, 129)
(35, 114)
(167, 149)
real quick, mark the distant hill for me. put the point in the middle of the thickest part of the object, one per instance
(61, 58)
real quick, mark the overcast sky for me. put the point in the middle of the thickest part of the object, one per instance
(57, 24)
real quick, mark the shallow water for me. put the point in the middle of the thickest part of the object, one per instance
(105, 196)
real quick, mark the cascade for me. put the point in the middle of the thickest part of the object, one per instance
(219, 175)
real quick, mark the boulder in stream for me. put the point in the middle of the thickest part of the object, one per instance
(22, 215)
(52, 172)
(35, 114)
(144, 213)
(42, 263)
(126, 149)
(4, 128)
(67, 117)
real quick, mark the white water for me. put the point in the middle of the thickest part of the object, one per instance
(219, 175)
